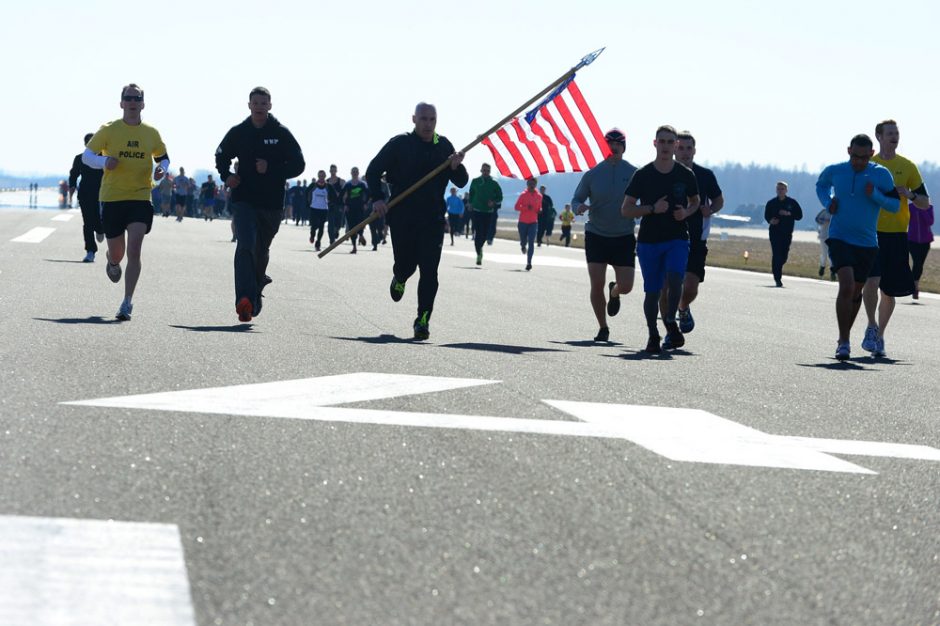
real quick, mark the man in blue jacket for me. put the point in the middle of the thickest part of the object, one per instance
(854, 192)
(417, 222)
(267, 156)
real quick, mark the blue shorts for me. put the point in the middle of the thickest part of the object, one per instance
(658, 258)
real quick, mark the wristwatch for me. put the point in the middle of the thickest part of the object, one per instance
(913, 196)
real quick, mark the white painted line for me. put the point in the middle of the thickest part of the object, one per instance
(688, 435)
(520, 259)
(35, 235)
(696, 436)
(868, 448)
(288, 398)
(63, 217)
(59, 572)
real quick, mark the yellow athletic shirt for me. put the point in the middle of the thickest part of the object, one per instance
(135, 148)
(905, 174)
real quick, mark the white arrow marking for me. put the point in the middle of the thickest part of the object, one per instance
(697, 436)
(689, 435)
(69, 571)
(289, 398)
(519, 259)
(34, 235)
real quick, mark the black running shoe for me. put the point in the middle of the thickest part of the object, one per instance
(422, 331)
(603, 334)
(674, 338)
(396, 289)
(652, 346)
(613, 304)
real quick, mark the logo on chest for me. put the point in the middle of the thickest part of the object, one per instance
(270, 142)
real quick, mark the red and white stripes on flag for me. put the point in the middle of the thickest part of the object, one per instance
(559, 135)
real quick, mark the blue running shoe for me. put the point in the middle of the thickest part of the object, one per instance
(843, 351)
(124, 313)
(686, 321)
(870, 342)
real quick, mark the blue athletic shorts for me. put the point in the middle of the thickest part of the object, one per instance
(658, 258)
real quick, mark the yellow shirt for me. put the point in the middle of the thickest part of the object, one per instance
(134, 147)
(566, 217)
(905, 174)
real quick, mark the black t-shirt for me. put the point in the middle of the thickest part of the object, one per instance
(649, 185)
(707, 188)
(355, 194)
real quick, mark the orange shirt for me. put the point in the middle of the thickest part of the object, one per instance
(529, 206)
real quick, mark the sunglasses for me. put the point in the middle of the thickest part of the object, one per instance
(132, 98)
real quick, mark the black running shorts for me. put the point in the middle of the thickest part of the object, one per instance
(115, 216)
(616, 251)
(698, 251)
(842, 254)
(892, 264)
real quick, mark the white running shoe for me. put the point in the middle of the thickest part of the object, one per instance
(113, 269)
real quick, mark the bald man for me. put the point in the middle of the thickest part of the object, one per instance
(417, 222)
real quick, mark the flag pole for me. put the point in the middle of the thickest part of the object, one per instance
(352, 232)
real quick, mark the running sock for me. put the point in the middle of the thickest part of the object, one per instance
(651, 310)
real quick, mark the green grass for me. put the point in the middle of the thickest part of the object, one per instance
(803, 260)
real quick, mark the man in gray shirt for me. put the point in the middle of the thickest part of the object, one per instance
(608, 236)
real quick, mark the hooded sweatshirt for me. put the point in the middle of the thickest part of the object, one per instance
(272, 142)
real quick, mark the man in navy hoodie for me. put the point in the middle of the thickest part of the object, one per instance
(267, 156)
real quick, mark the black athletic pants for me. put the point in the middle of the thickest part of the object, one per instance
(255, 229)
(91, 221)
(481, 229)
(780, 251)
(918, 256)
(317, 222)
(417, 247)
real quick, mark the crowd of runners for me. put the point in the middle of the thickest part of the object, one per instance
(659, 214)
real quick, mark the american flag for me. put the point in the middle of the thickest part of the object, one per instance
(558, 135)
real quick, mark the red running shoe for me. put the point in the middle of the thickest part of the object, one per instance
(244, 309)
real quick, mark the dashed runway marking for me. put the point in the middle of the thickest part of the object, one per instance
(34, 235)
(59, 572)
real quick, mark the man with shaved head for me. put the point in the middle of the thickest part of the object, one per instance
(417, 221)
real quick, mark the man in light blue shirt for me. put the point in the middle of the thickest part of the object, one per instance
(854, 192)
(455, 210)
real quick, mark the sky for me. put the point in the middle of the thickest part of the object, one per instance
(782, 84)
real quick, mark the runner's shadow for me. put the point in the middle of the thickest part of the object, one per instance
(94, 319)
(235, 328)
(587, 343)
(854, 365)
(496, 347)
(641, 355)
(65, 261)
(380, 339)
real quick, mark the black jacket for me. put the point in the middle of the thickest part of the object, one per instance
(91, 180)
(772, 210)
(273, 143)
(405, 160)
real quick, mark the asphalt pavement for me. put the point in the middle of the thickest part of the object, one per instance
(507, 471)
